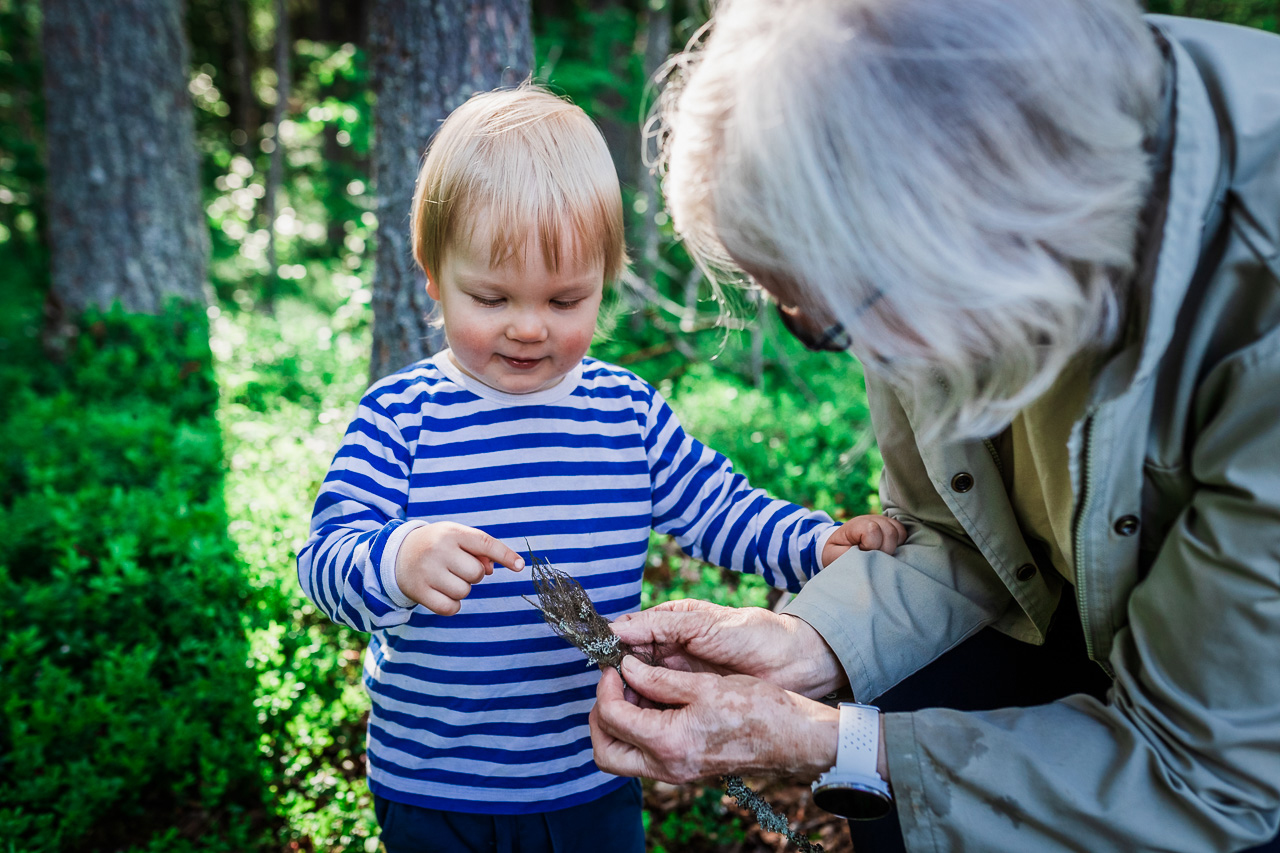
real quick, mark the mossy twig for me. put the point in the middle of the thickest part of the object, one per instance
(568, 609)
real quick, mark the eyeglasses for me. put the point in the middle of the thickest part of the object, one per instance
(832, 338)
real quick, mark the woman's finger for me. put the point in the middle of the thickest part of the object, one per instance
(620, 719)
(613, 755)
(682, 604)
(665, 686)
(678, 604)
(665, 627)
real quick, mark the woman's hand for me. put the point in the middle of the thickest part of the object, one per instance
(697, 636)
(438, 563)
(712, 725)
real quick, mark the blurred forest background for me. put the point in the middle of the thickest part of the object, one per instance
(203, 260)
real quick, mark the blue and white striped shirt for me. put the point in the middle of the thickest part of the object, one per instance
(486, 710)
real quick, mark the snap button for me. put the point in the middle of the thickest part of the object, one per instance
(962, 482)
(1025, 572)
(1127, 525)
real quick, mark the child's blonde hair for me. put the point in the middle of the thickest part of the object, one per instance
(524, 162)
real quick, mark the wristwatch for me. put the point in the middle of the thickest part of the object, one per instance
(853, 789)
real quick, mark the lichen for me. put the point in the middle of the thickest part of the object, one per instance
(568, 609)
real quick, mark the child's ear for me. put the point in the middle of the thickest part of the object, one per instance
(433, 289)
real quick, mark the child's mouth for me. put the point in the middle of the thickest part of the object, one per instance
(521, 363)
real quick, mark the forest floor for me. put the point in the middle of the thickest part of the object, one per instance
(673, 806)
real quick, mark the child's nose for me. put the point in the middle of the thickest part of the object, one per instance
(527, 326)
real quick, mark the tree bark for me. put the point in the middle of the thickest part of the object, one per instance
(657, 48)
(275, 169)
(428, 56)
(242, 70)
(125, 221)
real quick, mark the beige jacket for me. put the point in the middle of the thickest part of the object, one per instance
(1176, 476)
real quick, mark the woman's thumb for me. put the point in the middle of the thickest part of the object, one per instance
(658, 684)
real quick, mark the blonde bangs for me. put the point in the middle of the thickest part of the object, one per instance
(510, 166)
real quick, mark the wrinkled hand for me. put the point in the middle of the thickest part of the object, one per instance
(867, 533)
(438, 564)
(697, 636)
(712, 725)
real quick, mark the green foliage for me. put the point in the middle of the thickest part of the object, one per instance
(289, 385)
(21, 132)
(817, 453)
(324, 217)
(1262, 14)
(127, 705)
(705, 824)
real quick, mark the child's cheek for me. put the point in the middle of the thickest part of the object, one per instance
(578, 342)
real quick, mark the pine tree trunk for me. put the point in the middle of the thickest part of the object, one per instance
(242, 71)
(125, 220)
(428, 57)
(657, 48)
(275, 169)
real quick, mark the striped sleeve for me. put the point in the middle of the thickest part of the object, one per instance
(715, 515)
(347, 566)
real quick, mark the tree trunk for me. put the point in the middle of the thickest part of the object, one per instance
(125, 222)
(657, 48)
(242, 70)
(275, 170)
(428, 56)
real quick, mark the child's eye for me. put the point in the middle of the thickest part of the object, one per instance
(566, 303)
(486, 301)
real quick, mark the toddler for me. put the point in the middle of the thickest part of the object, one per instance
(478, 735)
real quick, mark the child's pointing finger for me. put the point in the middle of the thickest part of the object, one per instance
(482, 545)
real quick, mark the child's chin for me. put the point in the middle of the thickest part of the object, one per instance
(527, 384)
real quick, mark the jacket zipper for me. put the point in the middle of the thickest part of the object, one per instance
(1081, 514)
(991, 448)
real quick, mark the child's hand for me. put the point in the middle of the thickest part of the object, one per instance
(867, 532)
(438, 564)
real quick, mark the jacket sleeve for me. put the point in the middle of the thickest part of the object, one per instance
(347, 566)
(1185, 754)
(715, 515)
(887, 616)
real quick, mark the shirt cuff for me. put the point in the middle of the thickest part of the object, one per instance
(820, 545)
(821, 605)
(387, 568)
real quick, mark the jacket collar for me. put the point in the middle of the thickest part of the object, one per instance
(1197, 183)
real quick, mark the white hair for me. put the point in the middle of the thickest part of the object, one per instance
(960, 184)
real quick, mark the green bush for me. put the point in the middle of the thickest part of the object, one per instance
(127, 705)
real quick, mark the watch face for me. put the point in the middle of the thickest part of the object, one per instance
(852, 801)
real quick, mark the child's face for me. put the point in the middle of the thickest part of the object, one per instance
(517, 328)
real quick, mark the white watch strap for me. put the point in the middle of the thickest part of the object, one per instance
(859, 745)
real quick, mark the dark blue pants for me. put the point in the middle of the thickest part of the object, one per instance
(987, 671)
(610, 823)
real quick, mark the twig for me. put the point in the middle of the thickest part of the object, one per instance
(567, 608)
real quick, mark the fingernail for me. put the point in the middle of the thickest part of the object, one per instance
(629, 663)
(519, 563)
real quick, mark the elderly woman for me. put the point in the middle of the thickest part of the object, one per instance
(1050, 231)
